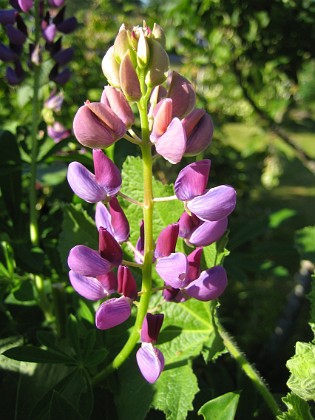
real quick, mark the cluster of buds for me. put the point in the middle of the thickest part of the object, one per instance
(136, 68)
(52, 21)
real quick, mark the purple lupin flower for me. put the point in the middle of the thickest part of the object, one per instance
(58, 132)
(93, 188)
(114, 219)
(212, 205)
(150, 359)
(113, 312)
(209, 285)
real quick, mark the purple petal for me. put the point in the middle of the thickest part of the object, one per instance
(6, 54)
(192, 180)
(187, 224)
(172, 144)
(150, 361)
(215, 204)
(84, 185)
(200, 136)
(106, 173)
(182, 94)
(140, 244)
(63, 57)
(109, 282)
(103, 218)
(49, 32)
(15, 36)
(112, 312)
(25, 5)
(166, 241)
(119, 221)
(210, 284)
(118, 103)
(62, 77)
(173, 269)
(56, 3)
(194, 259)
(209, 232)
(109, 248)
(8, 16)
(175, 295)
(87, 262)
(162, 119)
(16, 75)
(126, 282)
(151, 327)
(58, 132)
(68, 25)
(88, 287)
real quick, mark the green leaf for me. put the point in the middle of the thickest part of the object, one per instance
(77, 228)
(175, 391)
(37, 355)
(220, 408)
(302, 369)
(305, 243)
(187, 328)
(164, 212)
(73, 333)
(298, 409)
(61, 409)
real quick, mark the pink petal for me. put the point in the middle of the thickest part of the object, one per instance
(162, 119)
(172, 144)
(112, 312)
(150, 361)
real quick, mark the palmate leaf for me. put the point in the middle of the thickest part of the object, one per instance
(164, 212)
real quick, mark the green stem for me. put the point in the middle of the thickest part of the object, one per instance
(34, 231)
(249, 370)
(146, 289)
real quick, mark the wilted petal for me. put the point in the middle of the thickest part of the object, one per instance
(172, 144)
(216, 204)
(87, 262)
(208, 232)
(192, 180)
(119, 221)
(182, 94)
(126, 282)
(112, 312)
(151, 327)
(166, 241)
(150, 361)
(173, 269)
(210, 284)
(199, 130)
(88, 287)
(106, 173)
(116, 100)
(84, 185)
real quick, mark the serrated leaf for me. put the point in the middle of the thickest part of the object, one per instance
(78, 228)
(298, 409)
(302, 368)
(220, 408)
(37, 355)
(187, 327)
(164, 212)
(175, 391)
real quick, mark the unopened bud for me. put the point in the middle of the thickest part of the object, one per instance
(159, 65)
(110, 68)
(143, 52)
(129, 81)
(159, 34)
(121, 44)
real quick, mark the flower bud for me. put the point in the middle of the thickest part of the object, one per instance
(199, 130)
(129, 81)
(159, 64)
(110, 68)
(182, 94)
(126, 282)
(117, 102)
(95, 125)
(143, 52)
(121, 44)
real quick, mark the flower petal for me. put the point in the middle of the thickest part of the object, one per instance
(208, 232)
(118, 103)
(166, 241)
(107, 174)
(88, 287)
(199, 130)
(103, 218)
(112, 312)
(162, 119)
(109, 248)
(119, 221)
(183, 95)
(151, 326)
(172, 144)
(173, 269)
(84, 185)
(109, 282)
(150, 361)
(216, 204)
(192, 180)
(209, 285)
(87, 262)
(126, 283)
